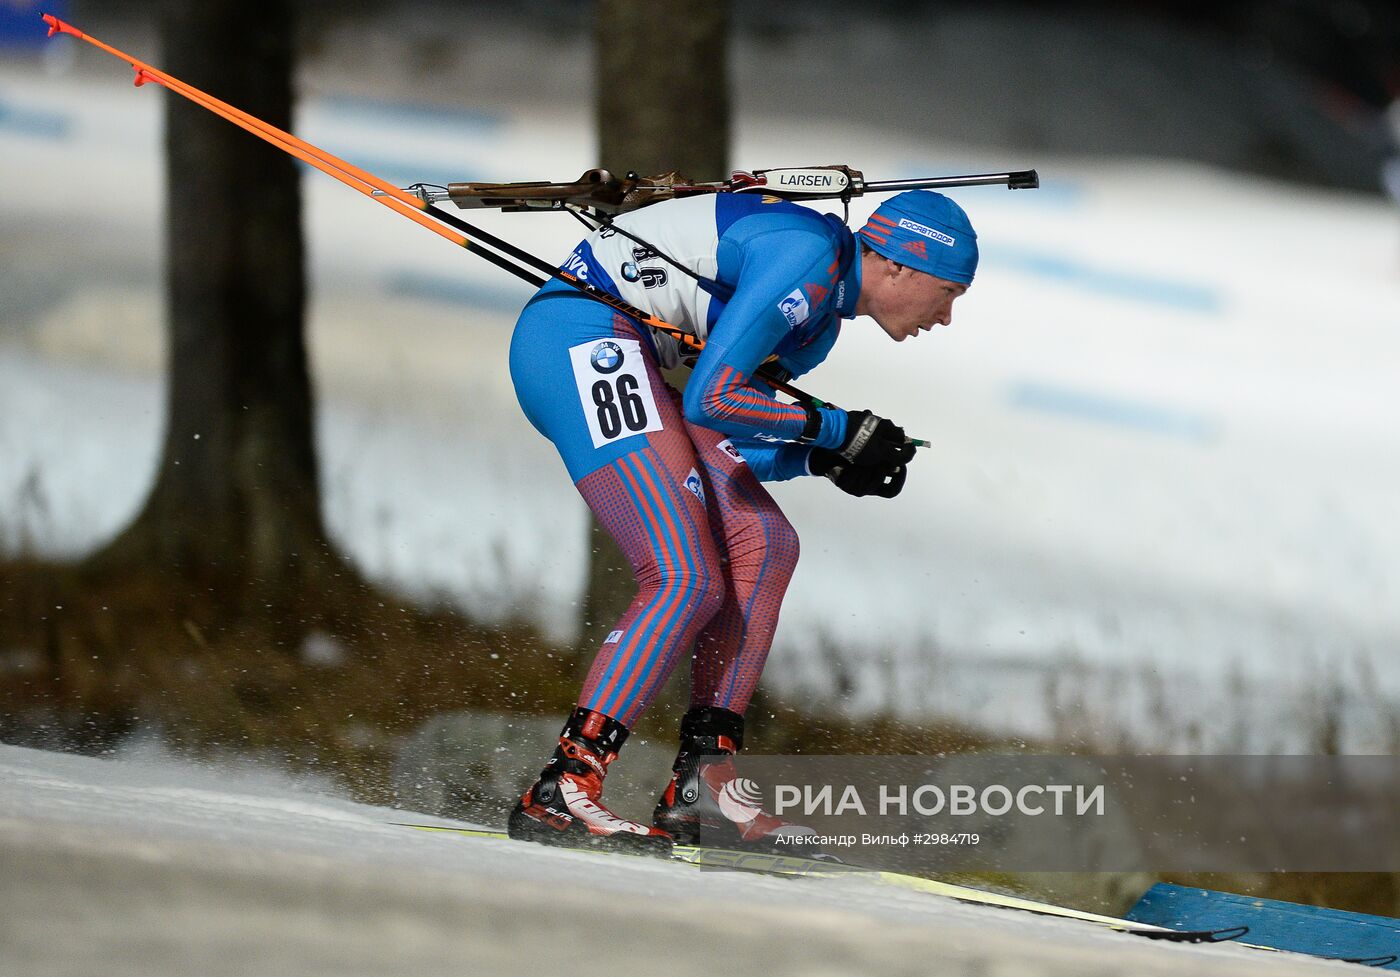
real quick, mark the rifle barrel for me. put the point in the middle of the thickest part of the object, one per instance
(1016, 180)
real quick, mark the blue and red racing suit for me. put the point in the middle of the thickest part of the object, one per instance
(676, 480)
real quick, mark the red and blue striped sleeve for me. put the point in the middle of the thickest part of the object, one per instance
(784, 277)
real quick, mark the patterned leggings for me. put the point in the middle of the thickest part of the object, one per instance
(711, 551)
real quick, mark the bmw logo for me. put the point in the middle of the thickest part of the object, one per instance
(606, 357)
(631, 272)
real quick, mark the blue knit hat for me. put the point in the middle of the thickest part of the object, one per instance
(926, 231)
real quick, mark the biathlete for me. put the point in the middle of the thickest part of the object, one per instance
(676, 480)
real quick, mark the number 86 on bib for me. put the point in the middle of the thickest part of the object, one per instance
(614, 389)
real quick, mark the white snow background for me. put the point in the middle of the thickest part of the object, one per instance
(1163, 498)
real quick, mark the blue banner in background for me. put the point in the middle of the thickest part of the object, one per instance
(21, 25)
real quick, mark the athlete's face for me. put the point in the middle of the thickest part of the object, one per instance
(904, 301)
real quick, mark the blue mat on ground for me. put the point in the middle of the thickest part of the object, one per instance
(1281, 925)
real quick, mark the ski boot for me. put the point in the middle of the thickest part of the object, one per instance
(708, 803)
(562, 807)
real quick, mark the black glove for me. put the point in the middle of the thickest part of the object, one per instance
(854, 480)
(874, 442)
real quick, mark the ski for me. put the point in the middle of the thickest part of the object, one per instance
(792, 866)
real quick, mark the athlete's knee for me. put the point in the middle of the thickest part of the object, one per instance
(699, 591)
(781, 543)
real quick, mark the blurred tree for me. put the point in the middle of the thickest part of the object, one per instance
(662, 76)
(236, 496)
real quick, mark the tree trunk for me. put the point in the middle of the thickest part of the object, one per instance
(663, 87)
(662, 104)
(237, 493)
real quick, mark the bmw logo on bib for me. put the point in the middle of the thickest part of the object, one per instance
(630, 271)
(606, 357)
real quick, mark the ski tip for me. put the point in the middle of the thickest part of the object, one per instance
(1384, 961)
(1187, 936)
(57, 26)
(1225, 935)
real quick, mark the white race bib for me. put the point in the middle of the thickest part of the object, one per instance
(614, 389)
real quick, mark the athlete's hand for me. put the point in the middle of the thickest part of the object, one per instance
(854, 480)
(874, 442)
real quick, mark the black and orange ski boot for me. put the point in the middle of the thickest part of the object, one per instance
(563, 807)
(707, 803)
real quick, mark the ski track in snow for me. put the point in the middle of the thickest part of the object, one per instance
(228, 871)
(1164, 494)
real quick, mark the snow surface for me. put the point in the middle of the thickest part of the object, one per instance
(1164, 492)
(155, 867)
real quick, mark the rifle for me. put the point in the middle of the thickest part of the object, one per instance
(602, 192)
